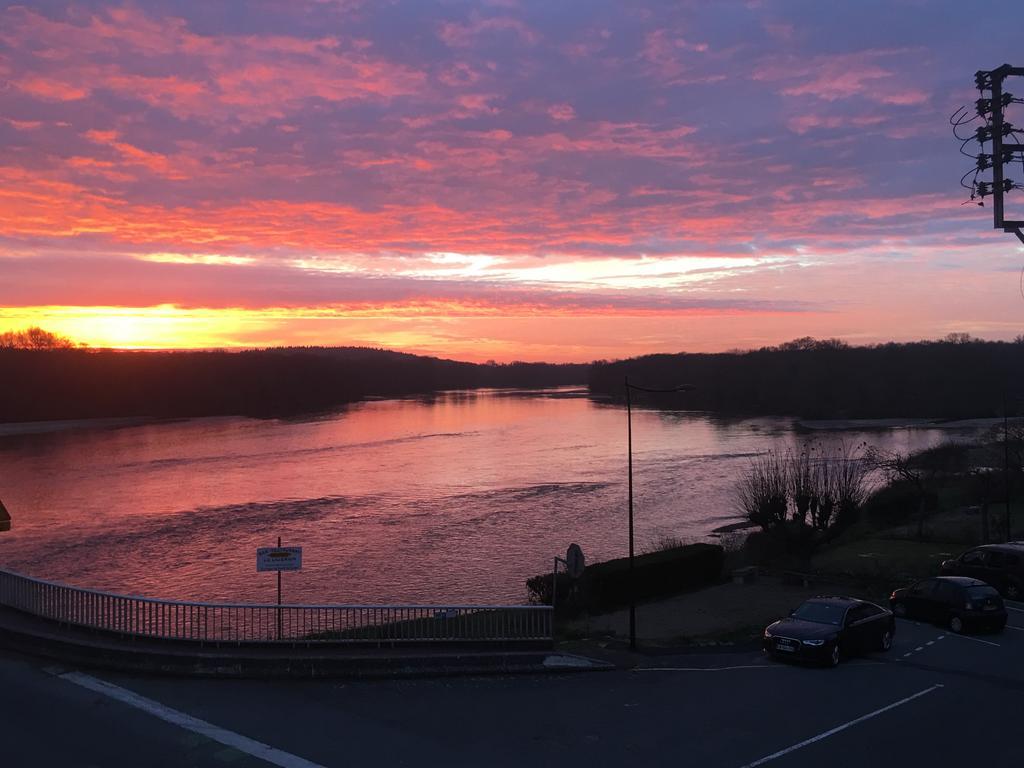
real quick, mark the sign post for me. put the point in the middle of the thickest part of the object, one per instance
(278, 559)
(574, 563)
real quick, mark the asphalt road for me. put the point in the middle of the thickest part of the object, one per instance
(935, 699)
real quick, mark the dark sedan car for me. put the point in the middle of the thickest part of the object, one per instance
(957, 602)
(825, 629)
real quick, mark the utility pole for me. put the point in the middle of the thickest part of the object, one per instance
(996, 130)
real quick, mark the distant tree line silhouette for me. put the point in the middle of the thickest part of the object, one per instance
(44, 376)
(957, 377)
(39, 384)
(34, 338)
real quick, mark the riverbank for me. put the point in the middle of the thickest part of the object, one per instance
(834, 425)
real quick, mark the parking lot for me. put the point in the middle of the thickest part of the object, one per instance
(936, 698)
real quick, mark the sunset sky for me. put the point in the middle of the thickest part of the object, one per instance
(504, 180)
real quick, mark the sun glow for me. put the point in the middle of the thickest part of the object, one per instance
(161, 327)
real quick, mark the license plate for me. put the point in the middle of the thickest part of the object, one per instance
(785, 645)
(988, 608)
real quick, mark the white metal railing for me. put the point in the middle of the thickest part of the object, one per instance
(262, 623)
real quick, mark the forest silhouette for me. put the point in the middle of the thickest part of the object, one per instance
(957, 377)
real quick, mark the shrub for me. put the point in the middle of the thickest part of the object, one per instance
(606, 585)
(896, 503)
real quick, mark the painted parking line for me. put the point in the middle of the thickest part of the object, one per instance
(769, 665)
(925, 644)
(707, 669)
(156, 709)
(843, 727)
(921, 647)
(977, 640)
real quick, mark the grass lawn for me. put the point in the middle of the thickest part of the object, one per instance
(884, 559)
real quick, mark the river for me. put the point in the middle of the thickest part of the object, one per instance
(453, 498)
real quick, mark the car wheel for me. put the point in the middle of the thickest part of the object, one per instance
(885, 642)
(833, 658)
(1013, 591)
(899, 609)
(956, 624)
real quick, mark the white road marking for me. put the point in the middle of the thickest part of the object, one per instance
(843, 727)
(977, 640)
(189, 723)
(706, 669)
(919, 648)
(1019, 629)
(930, 642)
(1011, 608)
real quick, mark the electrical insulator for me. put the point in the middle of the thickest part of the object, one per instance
(984, 132)
(984, 189)
(983, 80)
(984, 106)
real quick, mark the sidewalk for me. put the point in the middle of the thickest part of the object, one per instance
(81, 647)
(725, 614)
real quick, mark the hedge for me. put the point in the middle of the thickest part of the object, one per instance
(605, 586)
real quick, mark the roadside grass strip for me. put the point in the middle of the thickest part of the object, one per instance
(215, 733)
(843, 727)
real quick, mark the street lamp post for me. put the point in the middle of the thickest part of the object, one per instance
(629, 452)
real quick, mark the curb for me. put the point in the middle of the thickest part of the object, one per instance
(73, 648)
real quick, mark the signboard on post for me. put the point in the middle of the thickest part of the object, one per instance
(575, 563)
(5, 518)
(279, 559)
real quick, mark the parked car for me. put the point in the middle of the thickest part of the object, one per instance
(1001, 565)
(957, 602)
(825, 629)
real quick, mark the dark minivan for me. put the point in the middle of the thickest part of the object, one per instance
(957, 602)
(1001, 565)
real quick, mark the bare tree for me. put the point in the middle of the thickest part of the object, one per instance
(762, 493)
(921, 471)
(801, 476)
(850, 473)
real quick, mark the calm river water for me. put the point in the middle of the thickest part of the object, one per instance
(454, 498)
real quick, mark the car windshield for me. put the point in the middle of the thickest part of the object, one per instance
(820, 613)
(981, 593)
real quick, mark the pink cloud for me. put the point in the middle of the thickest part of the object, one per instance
(461, 35)
(561, 112)
(831, 77)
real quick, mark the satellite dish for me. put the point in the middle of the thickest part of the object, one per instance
(574, 561)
